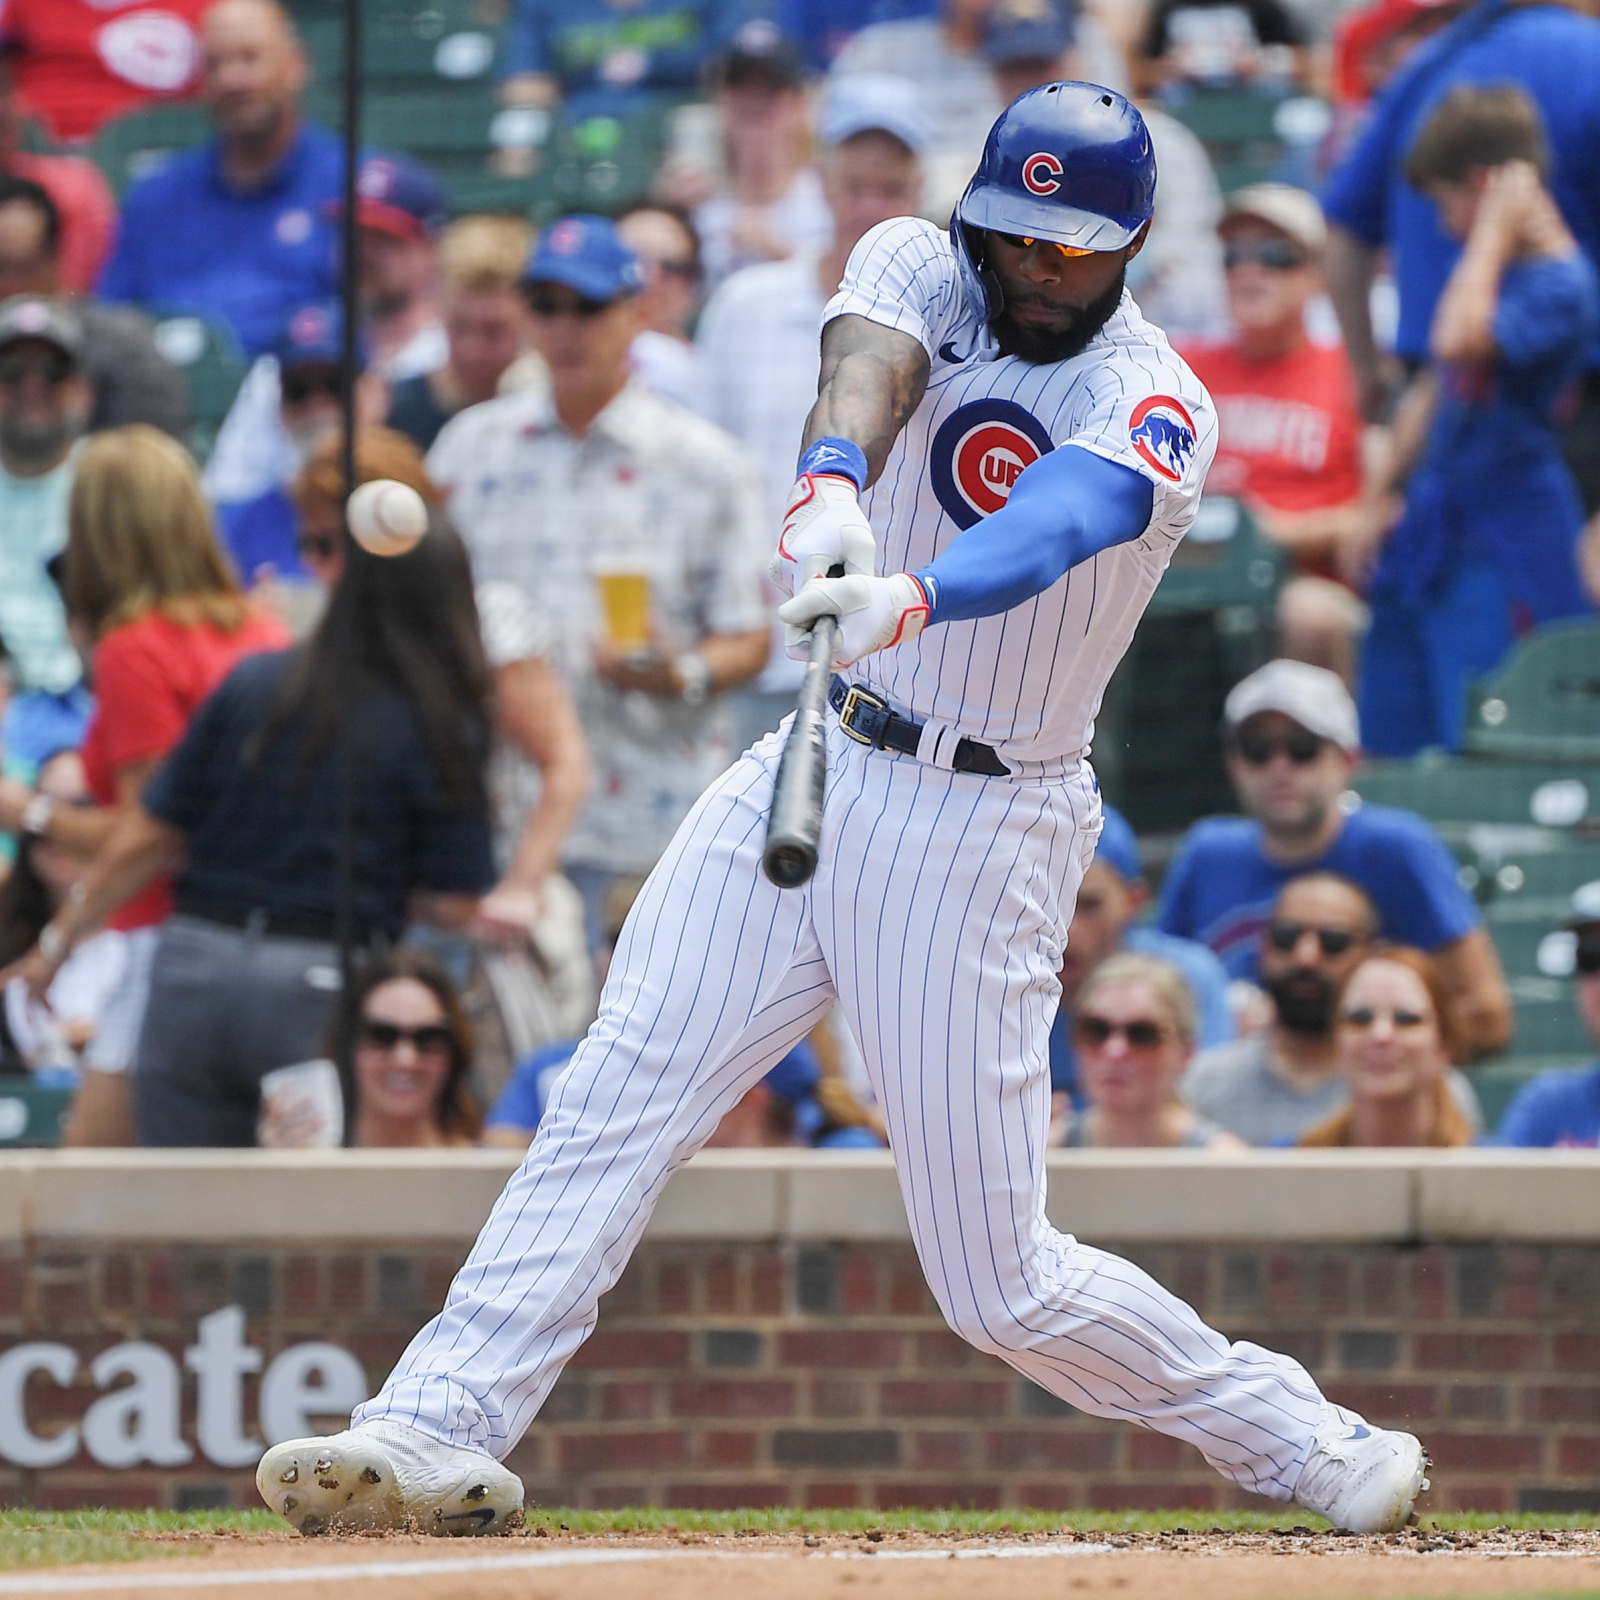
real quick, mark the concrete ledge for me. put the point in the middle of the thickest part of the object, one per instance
(1344, 1197)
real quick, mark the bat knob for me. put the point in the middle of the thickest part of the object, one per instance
(789, 865)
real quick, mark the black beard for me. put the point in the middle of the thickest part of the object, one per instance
(1043, 346)
(1304, 1001)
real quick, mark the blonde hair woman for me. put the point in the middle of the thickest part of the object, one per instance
(1134, 1024)
(150, 594)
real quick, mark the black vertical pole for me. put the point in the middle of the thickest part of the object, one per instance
(344, 916)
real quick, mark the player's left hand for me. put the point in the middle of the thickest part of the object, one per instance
(873, 613)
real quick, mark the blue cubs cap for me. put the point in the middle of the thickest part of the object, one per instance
(1118, 847)
(313, 334)
(587, 255)
(797, 1075)
(874, 102)
(398, 196)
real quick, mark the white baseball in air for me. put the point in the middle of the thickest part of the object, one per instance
(387, 518)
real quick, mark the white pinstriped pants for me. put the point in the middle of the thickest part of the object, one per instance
(937, 913)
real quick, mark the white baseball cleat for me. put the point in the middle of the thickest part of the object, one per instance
(1361, 1478)
(386, 1475)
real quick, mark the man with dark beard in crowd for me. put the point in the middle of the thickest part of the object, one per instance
(1271, 1087)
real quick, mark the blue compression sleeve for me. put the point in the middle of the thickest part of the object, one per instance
(1066, 507)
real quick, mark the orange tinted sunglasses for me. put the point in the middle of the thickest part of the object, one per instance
(1019, 241)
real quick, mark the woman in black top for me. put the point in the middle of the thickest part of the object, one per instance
(390, 695)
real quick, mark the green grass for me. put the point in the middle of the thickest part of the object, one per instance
(63, 1538)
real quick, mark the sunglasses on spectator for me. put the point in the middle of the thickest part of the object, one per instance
(679, 269)
(54, 366)
(551, 305)
(299, 384)
(317, 546)
(1286, 936)
(1587, 955)
(1256, 749)
(433, 1039)
(1276, 255)
(1021, 241)
(1141, 1034)
(1365, 1017)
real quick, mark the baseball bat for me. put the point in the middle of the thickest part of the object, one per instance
(794, 825)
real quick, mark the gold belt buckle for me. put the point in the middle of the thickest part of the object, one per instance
(855, 697)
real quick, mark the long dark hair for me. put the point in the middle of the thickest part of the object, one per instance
(405, 625)
(456, 1112)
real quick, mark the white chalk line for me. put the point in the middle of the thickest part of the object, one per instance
(125, 1577)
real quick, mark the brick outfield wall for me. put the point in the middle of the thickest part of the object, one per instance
(748, 1376)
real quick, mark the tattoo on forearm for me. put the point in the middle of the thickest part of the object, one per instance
(873, 378)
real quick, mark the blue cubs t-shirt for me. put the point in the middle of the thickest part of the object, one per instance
(1554, 1109)
(1222, 885)
(189, 241)
(1553, 54)
(1491, 488)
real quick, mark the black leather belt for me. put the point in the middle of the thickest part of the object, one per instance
(317, 925)
(867, 719)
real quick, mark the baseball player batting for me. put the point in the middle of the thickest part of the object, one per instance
(1002, 457)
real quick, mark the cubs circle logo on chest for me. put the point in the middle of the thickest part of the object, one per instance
(978, 454)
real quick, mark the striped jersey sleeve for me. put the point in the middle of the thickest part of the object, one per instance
(903, 275)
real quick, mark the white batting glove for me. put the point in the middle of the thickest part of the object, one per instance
(823, 528)
(874, 613)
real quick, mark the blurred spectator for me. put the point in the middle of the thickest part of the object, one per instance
(1112, 894)
(1562, 1108)
(409, 1048)
(609, 57)
(635, 529)
(1218, 42)
(1275, 1085)
(770, 203)
(1135, 1031)
(1486, 542)
(759, 350)
(1026, 43)
(1553, 53)
(1289, 444)
(131, 379)
(1292, 736)
(304, 379)
(822, 28)
(76, 187)
(1395, 1037)
(45, 402)
(238, 228)
(943, 57)
(1372, 42)
(47, 1035)
(662, 353)
(79, 63)
(485, 324)
(541, 770)
(147, 584)
(390, 696)
(401, 211)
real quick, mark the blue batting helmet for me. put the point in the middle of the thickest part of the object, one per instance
(1069, 162)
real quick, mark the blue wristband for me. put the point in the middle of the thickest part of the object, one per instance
(840, 457)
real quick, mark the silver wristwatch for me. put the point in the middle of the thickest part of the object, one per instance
(695, 671)
(36, 815)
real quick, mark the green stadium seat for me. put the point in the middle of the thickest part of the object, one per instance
(1225, 562)
(1548, 794)
(1544, 702)
(213, 367)
(31, 1116)
(128, 147)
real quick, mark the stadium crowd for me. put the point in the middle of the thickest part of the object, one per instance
(237, 746)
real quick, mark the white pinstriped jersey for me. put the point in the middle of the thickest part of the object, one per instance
(1027, 681)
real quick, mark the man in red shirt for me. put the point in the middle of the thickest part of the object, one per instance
(1289, 441)
(81, 195)
(79, 63)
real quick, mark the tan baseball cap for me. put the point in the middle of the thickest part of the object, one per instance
(1291, 211)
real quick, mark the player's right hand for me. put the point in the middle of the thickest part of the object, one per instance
(823, 528)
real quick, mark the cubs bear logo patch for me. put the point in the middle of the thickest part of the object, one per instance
(1163, 433)
(979, 453)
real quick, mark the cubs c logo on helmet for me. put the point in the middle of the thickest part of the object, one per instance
(979, 453)
(1041, 172)
(1163, 434)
